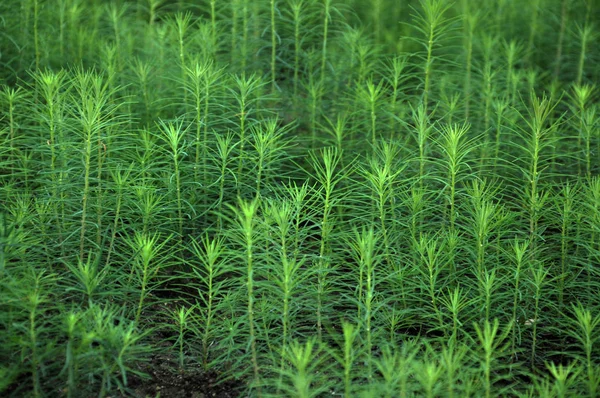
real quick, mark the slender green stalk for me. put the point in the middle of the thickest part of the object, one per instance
(363, 250)
(585, 333)
(519, 249)
(120, 178)
(455, 148)
(182, 23)
(432, 24)
(586, 35)
(246, 94)
(471, 18)
(246, 226)
(397, 77)
(584, 118)
(538, 282)
(95, 114)
(12, 97)
(274, 10)
(566, 208)
(491, 341)
(533, 31)
(212, 257)
(181, 318)
(173, 135)
(564, 16)
(539, 126)
(564, 377)
(328, 178)
(431, 251)
(327, 10)
(146, 265)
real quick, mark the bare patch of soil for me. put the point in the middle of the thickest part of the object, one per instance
(166, 382)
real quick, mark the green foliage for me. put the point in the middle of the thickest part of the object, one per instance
(309, 197)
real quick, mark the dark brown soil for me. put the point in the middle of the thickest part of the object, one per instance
(190, 383)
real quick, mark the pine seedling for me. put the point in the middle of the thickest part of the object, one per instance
(590, 220)
(450, 103)
(350, 353)
(269, 144)
(328, 10)
(564, 17)
(428, 373)
(370, 95)
(455, 147)
(245, 232)
(585, 329)
(120, 178)
(173, 134)
(52, 87)
(586, 35)
(538, 282)
(72, 326)
(145, 72)
(116, 13)
(181, 24)
(210, 267)
(339, 131)
(363, 246)
(202, 83)
(489, 287)
(453, 363)
(471, 19)
(500, 106)
(395, 366)
(117, 347)
(434, 26)
(485, 220)
(246, 94)
(362, 59)
(95, 113)
(519, 249)
(287, 273)
(492, 342)
(12, 99)
(315, 91)
(182, 318)
(421, 132)
(89, 280)
(149, 204)
(533, 31)
(584, 115)
(565, 377)
(396, 75)
(152, 9)
(146, 264)
(303, 212)
(539, 125)
(273, 28)
(222, 157)
(431, 262)
(455, 302)
(34, 298)
(300, 379)
(514, 52)
(565, 203)
(328, 176)
(381, 176)
(299, 14)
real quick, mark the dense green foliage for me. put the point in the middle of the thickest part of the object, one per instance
(368, 198)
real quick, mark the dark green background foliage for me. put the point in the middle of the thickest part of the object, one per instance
(300, 197)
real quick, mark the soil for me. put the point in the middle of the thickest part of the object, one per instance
(166, 382)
